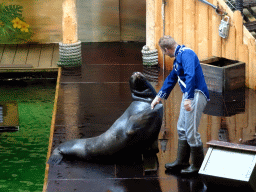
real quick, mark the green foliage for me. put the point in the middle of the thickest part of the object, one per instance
(9, 33)
(7, 13)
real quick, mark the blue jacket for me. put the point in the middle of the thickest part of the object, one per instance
(188, 72)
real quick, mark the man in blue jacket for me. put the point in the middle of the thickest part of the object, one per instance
(188, 73)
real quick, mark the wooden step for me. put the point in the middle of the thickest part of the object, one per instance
(251, 26)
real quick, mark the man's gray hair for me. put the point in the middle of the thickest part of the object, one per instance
(167, 42)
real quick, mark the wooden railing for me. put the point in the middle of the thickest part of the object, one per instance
(196, 24)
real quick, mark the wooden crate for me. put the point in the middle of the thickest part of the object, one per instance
(223, 74)
(225, 104)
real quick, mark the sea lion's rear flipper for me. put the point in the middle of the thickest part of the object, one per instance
(55, 159)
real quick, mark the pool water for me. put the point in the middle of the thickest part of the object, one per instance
(23, 153)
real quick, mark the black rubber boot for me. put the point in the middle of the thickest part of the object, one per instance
(183, 154)
(197, 157)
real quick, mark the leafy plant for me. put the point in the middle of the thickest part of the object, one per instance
(13, 28)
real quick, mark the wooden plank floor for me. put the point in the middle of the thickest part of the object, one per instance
(92, 97)
(34, 57)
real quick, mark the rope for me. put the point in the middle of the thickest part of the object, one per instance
(150, 57)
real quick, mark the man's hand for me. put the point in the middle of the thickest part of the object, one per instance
(187, 105)
(155, 101)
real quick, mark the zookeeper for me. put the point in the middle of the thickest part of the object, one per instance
(188, 73)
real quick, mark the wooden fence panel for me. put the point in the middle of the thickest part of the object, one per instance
(169, 25)
(216, 125)
(250, 129)
(231, 126)
(158, 29)
(169, 18)
(244, 57)
(202, 30)
(238, 22)
(196, 25)
(178, 21)
(230, 49)
(210, 13)
(252, 64)
(216, 39)
(189, 23)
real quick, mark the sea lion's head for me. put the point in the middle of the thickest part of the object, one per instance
(141, 89)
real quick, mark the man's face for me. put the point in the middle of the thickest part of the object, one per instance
(169, 52)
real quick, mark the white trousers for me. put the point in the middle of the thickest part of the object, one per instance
(189, 121)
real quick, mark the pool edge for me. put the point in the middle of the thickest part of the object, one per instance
(52, 129)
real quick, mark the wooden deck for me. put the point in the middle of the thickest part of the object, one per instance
(33, 57)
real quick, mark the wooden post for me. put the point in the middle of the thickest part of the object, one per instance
(70, 48)
(150, 24)
(69, 22)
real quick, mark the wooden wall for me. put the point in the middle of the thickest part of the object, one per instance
(98, 21)
(196, 24)
(240, 126)
(44, 17)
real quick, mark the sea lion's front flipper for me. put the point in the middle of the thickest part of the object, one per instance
(55, 158)
(139, 120)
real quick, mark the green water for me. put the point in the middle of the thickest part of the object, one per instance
(23, 153)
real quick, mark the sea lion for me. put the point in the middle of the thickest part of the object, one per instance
(136, 130)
